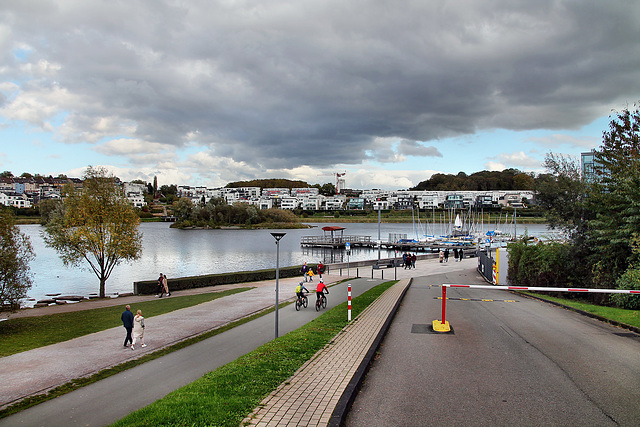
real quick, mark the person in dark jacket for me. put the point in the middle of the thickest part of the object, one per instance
(127, 322)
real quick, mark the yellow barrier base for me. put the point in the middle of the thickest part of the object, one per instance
(438, 326)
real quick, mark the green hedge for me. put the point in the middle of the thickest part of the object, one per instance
(148, 287)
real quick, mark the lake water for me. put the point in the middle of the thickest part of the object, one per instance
(179, 253)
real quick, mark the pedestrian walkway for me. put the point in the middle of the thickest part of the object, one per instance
(310, 396)
(42, 369)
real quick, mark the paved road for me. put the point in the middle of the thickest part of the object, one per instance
(108, 400)
(507, 363)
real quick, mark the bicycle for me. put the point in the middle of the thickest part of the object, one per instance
(321, 302)
(302, 301)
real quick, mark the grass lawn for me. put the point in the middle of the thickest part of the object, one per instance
(26, 333)
(224, 397)
(621, 315)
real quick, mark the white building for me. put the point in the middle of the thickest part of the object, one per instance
(14, 199)
(305, 192)
(265, 203)
(311, 203)
(334, 203)
(137, 200)
(290, 203)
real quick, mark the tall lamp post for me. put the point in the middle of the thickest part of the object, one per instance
(277, 236)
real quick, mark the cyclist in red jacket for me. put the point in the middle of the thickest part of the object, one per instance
(320, 289)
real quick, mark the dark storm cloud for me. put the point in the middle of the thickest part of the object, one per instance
(283, 84)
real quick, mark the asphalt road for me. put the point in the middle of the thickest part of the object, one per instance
(507, 363)
(107, 401)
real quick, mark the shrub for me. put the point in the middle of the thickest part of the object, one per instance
(630, 280)
(541, 264)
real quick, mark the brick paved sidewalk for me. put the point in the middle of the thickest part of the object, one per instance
(310, 396)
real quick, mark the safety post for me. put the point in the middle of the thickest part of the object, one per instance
(349, 303)
(442, 325)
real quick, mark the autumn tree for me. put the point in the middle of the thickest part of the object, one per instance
(96, 225)
(15, 254)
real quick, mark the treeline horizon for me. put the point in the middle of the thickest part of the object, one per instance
(507, 179)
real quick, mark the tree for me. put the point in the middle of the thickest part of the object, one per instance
(15, 254)
(96, 224)
(614, 199)
(6, 174)
(46, 208)
(561, 193)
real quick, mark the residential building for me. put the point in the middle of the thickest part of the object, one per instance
(8, 198)
(289, 203)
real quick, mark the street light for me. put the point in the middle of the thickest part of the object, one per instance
(277, 236)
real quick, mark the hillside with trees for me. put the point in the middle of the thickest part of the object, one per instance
(508, 179)
(269, 183)
(324, 189)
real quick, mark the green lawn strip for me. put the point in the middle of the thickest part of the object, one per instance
(224, 397)
(81, 382)
(26, 333)
(620, 315)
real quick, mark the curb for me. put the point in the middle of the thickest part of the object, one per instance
(347, 398)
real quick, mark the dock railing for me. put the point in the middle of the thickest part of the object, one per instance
(337, 241)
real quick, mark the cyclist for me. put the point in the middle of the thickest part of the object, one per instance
(319, 290)
(300, 289)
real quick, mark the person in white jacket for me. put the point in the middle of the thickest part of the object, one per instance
(138, 330)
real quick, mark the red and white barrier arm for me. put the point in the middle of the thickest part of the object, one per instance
(544, 289)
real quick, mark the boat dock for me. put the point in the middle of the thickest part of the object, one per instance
(329, 239)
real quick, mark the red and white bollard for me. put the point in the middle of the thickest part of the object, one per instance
(349, 303)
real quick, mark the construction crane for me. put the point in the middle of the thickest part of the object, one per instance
(338, 181)
(338, 175)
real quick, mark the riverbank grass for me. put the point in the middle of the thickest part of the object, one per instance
(26, 333)
(224, 397)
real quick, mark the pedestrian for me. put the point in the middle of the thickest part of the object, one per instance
(304, 271)
(461, 254)
(320, 269)
(413, 260)
(127, 322)
(310, 274)
(446, 255)
(160, 286)
(404, 260)
(455, 254)
(165, 285)
(138, 330)
(441, 256)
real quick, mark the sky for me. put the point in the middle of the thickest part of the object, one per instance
(204, 92)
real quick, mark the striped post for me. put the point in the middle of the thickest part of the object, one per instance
(444, 304)
(349, 303)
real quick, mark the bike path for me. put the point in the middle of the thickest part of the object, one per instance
(108, 400)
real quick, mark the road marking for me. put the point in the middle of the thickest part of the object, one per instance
(478, 299)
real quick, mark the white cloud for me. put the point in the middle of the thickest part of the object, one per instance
(125, 147)
(558, 139)
(495, 166)
(517, 159)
